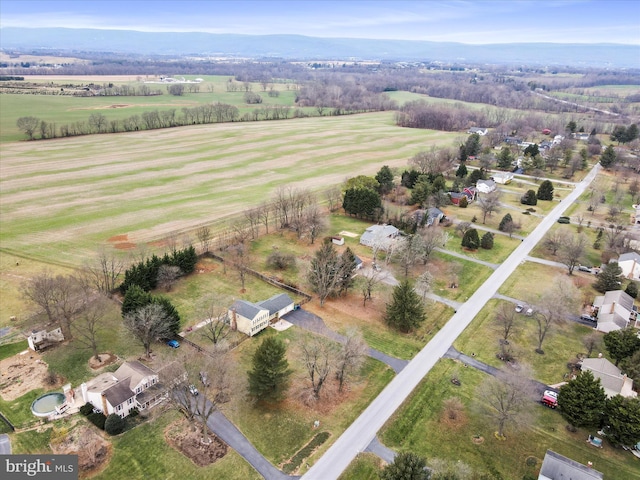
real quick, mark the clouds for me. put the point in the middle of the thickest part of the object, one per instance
(489, 21)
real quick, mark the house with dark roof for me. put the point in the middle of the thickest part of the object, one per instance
(558, 467)
(480, 131)
(251, 318)
(613, 381)
(132, 385)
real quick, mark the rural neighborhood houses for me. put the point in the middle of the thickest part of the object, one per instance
(132, 385)
(480, 131)
(380, 235)
(41, 338)
(614, 311)
(503, 178)
(558, 467)
(485, 186)
(251, 318)
(630, 265)
(611, 378)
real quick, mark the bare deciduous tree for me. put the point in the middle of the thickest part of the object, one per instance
(424, 283)
(489, 204)
(505, 321)
(317, 356)
(204, 237)
(216, 328)
(334, 198)
(88, 327)
(432, 238)
(167, 276)
(505, 398)
(149, 324)
(554, 240)
(264, 212)
(592, 342)
(553, 307)
(572, 250)
(40, 290)
(350, 357)
(103, 273)
(252, 215)
(463, 227)
(368, 280)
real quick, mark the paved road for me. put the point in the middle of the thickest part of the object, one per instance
(377, 448)
(5, 444)
(363, 430)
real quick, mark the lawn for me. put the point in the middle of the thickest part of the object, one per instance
(503, 246)
(561, 345)
(18, 411)
(419, 426)
(366, 466)
(471, 276)
(291, 418)
(143, 453)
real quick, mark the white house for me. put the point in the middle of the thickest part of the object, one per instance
(480, 131)
(630, 265)
(502, 178)
(558, 467)
(251, 318)
(132, 385)
(611, 377)
(382, 235)
(614, 311)
(485, 186)
(41, 338)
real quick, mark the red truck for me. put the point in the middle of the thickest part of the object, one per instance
(550, 398)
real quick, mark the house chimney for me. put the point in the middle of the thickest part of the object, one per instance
(613, 307)
(234, 321)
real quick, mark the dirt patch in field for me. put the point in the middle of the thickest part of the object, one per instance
(22, 373)
(181, 436)
(125, 246)
(121, 242)
(94, 451)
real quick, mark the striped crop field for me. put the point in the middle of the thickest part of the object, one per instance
(61, 199)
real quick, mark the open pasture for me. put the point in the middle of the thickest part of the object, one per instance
(63, 198)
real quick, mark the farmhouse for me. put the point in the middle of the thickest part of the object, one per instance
(485, 186)
(379, 235)
(251, 318)
(611, 378)
(133, 385)
(614, 311)
(558, 467)
(630, 265)
(41, 338)
(480, 131)
(503, 178)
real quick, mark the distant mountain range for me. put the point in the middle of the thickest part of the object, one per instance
(301, 47)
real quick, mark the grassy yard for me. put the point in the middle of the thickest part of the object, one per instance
(471, 276)
(292, 419)
(561, 345)
(143, 453)
(366, 466)
(419, 426)
(502, 247)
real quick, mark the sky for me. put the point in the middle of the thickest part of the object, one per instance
(463, 21)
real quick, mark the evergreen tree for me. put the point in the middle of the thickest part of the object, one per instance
(529, 198)
(406, 310)
(505, 158)
(471, 239)
(622, 344)
(632, 289)
(269, 378)
(385, 179)
(582, 401)
(461, 172)
(463, 203)
(619, 133)
(571, 126)
(610, 278)
(472, 145)
(409, 178)
(171, 312)
(362, 202)
(631, 366)
(421, 192)
(608, 157)
(505, 220)
(545, 191)
(532, 150)
(114, 425)
(487, 241)
(474, 176)
(631, 134)
(134, 299)
(406, 466)
(347, 265)
(623, 420)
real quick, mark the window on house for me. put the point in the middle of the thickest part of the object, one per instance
(138, 390)
(130, 401)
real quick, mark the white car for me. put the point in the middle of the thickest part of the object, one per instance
(519, 308)
(193, 390)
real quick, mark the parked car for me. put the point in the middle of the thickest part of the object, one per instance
(589, 318)
(529, 312)
(584, 268)
(550, 398)
(564, 220)
(519, 308)
(173, 343)
(193, 390)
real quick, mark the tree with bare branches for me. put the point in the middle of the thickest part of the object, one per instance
(350, 357)
(203, 234)
(149, 324)
(167, 276)
(368, 281)
(103, 273)
(216, 328)
(553, 306)
(572, 250)
(489, 204)
(334, 198)
(505, 398)
(554, 240)
(88, 327)
(317, 356)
